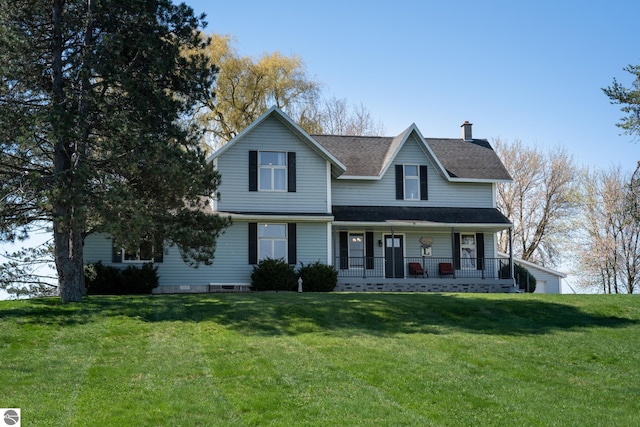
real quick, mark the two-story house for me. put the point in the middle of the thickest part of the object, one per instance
(403, 213)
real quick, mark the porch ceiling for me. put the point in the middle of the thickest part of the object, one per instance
(422, 215)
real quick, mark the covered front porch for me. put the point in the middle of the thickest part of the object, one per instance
(425, 274)
(420, 250)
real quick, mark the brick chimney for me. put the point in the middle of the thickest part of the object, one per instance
(466, 130)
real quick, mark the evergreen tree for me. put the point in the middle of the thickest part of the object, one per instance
(629, 99)
(93, 97)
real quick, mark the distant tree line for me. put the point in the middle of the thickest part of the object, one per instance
(562, 212)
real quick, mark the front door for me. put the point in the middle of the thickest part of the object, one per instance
(393, 256)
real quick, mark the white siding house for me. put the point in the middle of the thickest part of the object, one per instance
(389, 213)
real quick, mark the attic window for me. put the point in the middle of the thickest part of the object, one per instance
(411, 182)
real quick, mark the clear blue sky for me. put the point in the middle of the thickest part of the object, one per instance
(517, 70)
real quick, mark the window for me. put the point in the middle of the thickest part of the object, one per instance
(143, 254)
(356, 249)
(272, 241)
(468, 250)
(147, 252)
(411, 182)
(277, 241)
(273, 171)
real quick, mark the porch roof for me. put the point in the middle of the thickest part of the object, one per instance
(443, 216)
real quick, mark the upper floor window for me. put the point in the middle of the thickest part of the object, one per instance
(273, 170)
(411, 182)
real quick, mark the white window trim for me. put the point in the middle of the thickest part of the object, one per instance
(273, 240)
(135, 261)
(405, 178)
(360, 259)
(470, 263)
(273, 168)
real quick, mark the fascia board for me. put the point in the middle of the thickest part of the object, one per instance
(276, 217)
(457, 226)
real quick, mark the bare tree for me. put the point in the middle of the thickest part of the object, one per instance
(540, 201)
(337, 118)
(609, 248)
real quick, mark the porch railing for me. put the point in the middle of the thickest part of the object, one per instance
(481, 268)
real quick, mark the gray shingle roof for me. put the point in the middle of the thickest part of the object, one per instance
(362, 155)
(469, 159)
(367, 155)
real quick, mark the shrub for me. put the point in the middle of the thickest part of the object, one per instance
(273, 275)
(102, 279)
(106, 280)
(521, 276)
(318, 277)
(139, 280)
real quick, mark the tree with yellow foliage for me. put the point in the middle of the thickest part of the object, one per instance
(245, 88)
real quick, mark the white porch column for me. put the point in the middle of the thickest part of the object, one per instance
(512, 268)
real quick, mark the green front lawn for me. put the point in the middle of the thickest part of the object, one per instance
(290, 359)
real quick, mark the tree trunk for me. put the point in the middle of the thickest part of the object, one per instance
(66, 200)
(69, 263)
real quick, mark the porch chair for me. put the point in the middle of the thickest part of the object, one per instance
(445, 269)
(415, 269)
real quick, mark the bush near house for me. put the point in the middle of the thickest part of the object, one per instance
(273, 275)
(276, 275)
(106, 280)
(318, 277)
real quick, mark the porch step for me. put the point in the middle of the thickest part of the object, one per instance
(426, 287)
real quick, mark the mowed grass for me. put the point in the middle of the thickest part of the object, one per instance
(288, 359)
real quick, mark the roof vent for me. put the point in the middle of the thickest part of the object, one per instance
(466, 130)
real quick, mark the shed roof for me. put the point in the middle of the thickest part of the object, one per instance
(433, 215)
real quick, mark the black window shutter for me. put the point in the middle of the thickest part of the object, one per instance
(253, 171)
(116, 252)
(399, 182)
(291, 172)
(253, 243)
(424, 194)
(344, 250)
(456, 251)
(368, 240)
(292, 244)
(480, 250)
